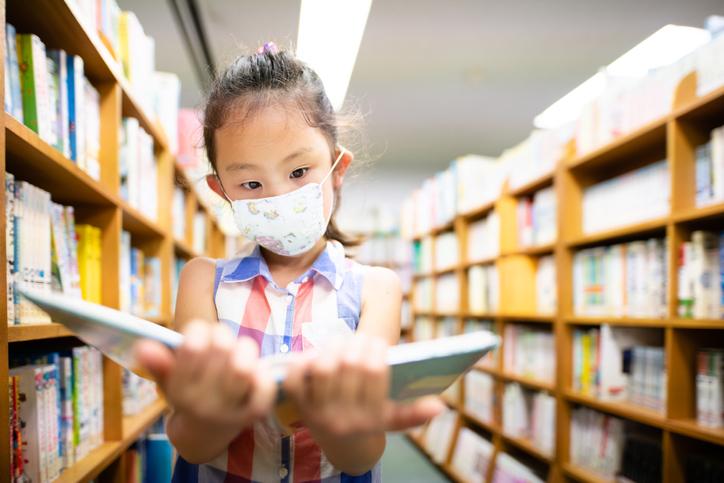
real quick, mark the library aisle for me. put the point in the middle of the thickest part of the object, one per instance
(588, 236)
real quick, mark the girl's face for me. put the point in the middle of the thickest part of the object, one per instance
(273, 152)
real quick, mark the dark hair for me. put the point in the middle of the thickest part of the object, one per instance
(267, 77)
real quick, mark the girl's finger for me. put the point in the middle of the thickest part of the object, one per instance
(238, 379)
(403, 416)
(156, 358)
(377, 377)
(351, 379)
(323, 371)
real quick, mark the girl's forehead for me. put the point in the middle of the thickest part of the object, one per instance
(271, 132)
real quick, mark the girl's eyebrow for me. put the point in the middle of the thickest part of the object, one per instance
(243, 166)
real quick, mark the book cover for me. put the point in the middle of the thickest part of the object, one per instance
(13, 73)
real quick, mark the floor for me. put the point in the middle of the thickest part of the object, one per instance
(402, 463)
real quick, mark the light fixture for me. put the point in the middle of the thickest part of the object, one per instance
(330, 33)
(663, 47)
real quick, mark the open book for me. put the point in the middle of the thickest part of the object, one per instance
(417, 369)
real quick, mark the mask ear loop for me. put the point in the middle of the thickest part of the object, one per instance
(334, 165)
(222, 189)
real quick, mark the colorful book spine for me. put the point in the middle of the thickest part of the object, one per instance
(34, 84)
(13, 73)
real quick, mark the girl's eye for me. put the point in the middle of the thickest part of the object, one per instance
(251, 185)
(298, 173)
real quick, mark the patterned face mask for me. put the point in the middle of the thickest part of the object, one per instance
(288, 224)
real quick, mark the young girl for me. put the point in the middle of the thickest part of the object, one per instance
(271, 136)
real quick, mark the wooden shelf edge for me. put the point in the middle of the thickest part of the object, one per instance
(528, 381)
(528, 447)
(28, 332)
(605, 236)
(583, 474)
(618, 321)
(489, 427)
(533, 185)
(625, 410)
(690, 428)
(139, 224)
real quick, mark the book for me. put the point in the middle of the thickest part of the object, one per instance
(423, 293)
(483, 289)
(710, 388)
(484, 238)
(34, 83)
(76, 111)
(138, 393)
(60, 82)
(596, 441)
(439, 435)
(480, 395)
(536, 217)
(446, 251)
(530, 415)
(633, 197)
(621, 280)
(509, 470)
(178, 213)
(12, 76)
(529, 352)
(620, 364)
(423, 260)
(546, 286)
(700, 276)
(472, 456)
(447, 294)
(138, 168)
(418, 368)
(200, 232)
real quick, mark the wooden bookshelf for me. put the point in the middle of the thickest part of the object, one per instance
(674, 138)
(97, 202)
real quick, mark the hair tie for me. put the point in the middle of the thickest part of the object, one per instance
(268, 48)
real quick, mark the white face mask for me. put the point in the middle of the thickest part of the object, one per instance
(288, 224)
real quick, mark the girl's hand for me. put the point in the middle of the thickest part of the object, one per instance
(342, 391)
(212, 378)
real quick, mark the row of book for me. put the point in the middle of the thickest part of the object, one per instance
(47, 250)
(546, 293)
(135, 53)
(447, 294)
(439, 435)
(422, 295)
(636, 196)
(150, 458)
(614, 448)
(424, 328)
(529, 351)
(621, 364)
(700, 276)
(473, 458)
(709, 169)
(56, 412)
(710, 388)
(483, 289)
(480, 396)
(446, 251)
(537, 218)
(628, 279)
(530, 415)
(423, 260)
(199, 232)
(629, 102)
(46, 89)
(178, 213)
(138, 393)
(138, 168)
(385, 249)
(472, 182)
(140, 280)
(484, 238)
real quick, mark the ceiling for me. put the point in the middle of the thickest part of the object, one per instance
(439, 79)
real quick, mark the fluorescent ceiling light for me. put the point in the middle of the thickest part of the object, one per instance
(663, 47)
(330, 32)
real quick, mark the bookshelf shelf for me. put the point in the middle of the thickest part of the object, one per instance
(528, 447)
(22, 333)
(490, 427)
(582, 474)
(690, 428)
(487, 369)
(528, 381)
(534, 185)
(534, 251)
(98, 203)
(697, 323)
(623, 149)
(478, 212)
(617, 321)
(710, 105)
(622, 409)
(34, 160)
(480, 261)
(139, 224)
(450, 402)
(544, 319)
(479, 315)
(639, 230)
(709, 212)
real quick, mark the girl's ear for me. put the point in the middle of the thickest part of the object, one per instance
(213, 181)
(342, 166)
